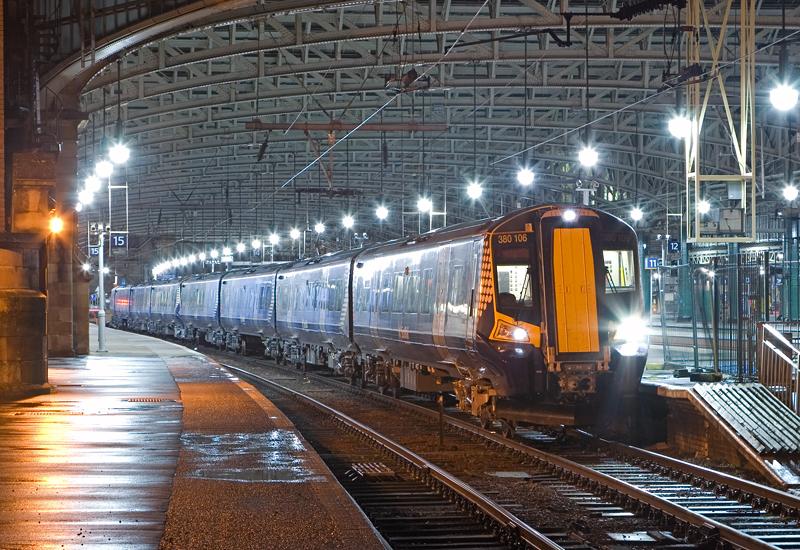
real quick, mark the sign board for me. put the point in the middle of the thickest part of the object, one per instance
(674, 246)
(227, 259)
(119, 240)
(652, 262)
(94, 251)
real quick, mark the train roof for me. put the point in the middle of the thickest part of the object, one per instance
(254, 271)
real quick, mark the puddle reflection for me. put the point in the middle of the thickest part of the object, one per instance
(274, 456)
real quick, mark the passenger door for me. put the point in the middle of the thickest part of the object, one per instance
(574, 291)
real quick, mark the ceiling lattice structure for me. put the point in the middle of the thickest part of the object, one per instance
(199, 174)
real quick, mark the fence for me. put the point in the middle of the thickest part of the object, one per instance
(706, 315)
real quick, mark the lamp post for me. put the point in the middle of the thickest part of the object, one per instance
(101, 311)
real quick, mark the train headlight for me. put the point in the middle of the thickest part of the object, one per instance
(511, 333)
(631, 336)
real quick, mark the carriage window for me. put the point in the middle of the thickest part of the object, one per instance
(456, 286)
(264, 297)
(385, 291)
(426, 294)
(398, 291)
(620, 270)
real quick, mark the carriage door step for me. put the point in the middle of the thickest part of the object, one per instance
(575, 292)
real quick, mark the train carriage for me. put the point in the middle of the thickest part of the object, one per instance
(247, 306)
(312, 311)
(411, 303)
(120, 306)
(140, 307)
(198, 306)
(163, 317)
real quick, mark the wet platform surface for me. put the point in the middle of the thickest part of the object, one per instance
(152, 445)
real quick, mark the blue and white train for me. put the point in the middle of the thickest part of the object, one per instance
(531, 317)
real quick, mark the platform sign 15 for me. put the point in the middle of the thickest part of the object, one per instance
(652, 262)
(94, 251)
(119, 240)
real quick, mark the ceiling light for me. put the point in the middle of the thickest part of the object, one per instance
(348, 221)
(525, 176)
(175, 263)
(241, 247)
(104, 169)
(191, 258)
(680, 126)
(78, 207)
(294, 233)
(183, 261)
(588, 156)
(226, 250)
(86, 267)
(85, 196)
(790, 193)
(424, 205)
(474, 190)
(202, 256)
(106, 271)
(783, 97)
(274, 239)
(704, 207)
(93, 183)
(381, 212)
(215, 254)
(569, 215)
(255, 243)
(637, 214)
(319, 228)
(119, 153)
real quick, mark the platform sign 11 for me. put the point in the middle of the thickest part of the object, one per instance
(652, 262)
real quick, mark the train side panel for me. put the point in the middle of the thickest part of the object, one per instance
(140, 306)
(247, 302)
(415, 304)
(312, 302)
(199, 301)
(163, 307)
(120, 306)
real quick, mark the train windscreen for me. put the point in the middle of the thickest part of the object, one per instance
(515, 279)
(620, 270)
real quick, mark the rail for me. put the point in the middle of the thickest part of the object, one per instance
(509, 522)
(779, 366)
(591, 477)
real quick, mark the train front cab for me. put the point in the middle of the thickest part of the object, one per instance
(565, 319)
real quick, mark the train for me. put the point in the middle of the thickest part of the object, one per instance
(533, 317)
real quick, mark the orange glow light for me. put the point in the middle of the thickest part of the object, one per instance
(56, 224)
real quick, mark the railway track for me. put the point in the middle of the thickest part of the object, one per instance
(617, 481)
(411, 501)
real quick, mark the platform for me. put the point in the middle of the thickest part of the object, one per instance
(155, 445)
(742, 424)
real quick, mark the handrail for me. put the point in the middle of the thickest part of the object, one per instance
(779, 366)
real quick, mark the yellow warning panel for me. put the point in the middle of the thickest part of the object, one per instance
(575, 292)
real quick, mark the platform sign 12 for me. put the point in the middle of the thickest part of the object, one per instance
(674, 246)
(652, 262)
